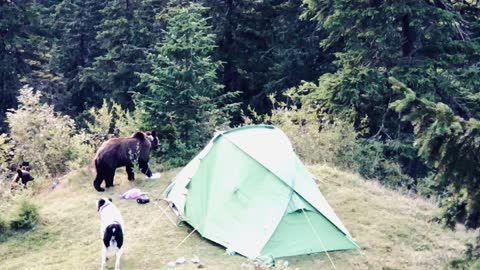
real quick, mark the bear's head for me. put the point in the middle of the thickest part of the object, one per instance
(152, 137)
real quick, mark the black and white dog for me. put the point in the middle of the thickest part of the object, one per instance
(111, 230)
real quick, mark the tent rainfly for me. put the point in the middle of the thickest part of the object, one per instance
(248, 191)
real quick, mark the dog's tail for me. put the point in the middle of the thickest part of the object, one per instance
(113, 233)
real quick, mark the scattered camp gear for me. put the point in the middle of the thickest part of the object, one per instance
(248, 191)
(133, 194)
(154, 176)
(195, 259)
(143, 200)
(180, 260)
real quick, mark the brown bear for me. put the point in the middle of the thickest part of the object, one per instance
(119, 152)
(22, 176)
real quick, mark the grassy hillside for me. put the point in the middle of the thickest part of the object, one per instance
(393, 230)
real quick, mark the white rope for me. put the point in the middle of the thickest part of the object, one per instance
(164, 213)
(318, 237)
(188, 236)
(173, 222)
(185, 239)
(164, 210)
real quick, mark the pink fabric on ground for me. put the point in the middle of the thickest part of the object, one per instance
(132, 194)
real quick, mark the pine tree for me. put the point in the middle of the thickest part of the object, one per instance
(148, 29)
(450, 144)
(428, 45)
(183, 90)
(282, 48)
(295, 54)
(409, 40)
(20, 43)
(74, 49)
(124, 35)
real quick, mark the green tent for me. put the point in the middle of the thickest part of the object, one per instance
(248, 191)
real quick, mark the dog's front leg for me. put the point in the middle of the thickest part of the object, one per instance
(104, 257)
(117, 259)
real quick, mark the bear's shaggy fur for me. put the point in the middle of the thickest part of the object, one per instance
(22, 177)
(119, 152)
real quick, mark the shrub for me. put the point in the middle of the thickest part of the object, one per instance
(371, 162)
(334, 142)
(83, 151)
(5, 152)
(102, 124)
(125, 122)
(3, 225)
(42, 136)
(470, 260)
(50, 140)
(26, 217)
(110, 121)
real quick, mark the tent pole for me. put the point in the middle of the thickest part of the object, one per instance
(320, 240)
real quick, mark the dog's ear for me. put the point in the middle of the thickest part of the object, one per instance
(100, 203)
(110, 199)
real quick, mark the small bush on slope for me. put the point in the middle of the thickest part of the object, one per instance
(42, 136)
(17, 212)
(52, 143)
(3, 225)
(106, 122)
(470, 260)
(26, 216)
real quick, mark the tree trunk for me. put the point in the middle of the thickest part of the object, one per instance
(408, 37)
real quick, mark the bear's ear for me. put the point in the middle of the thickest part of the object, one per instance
(100, 203)
(139, 135)
(110, 199)
(20, 173)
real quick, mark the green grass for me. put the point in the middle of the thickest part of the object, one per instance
(394, 230)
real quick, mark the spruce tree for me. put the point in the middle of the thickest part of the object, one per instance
(75, 48)
(126, 33)
(265, 47)
(21, 40)
(450, 144)
(428, 45)
(183, 96)
(147, 28)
